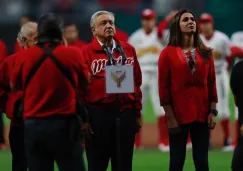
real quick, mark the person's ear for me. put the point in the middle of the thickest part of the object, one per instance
(24, 39)
(93, 30)
(64, 41)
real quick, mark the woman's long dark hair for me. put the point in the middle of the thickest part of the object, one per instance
(175, 38)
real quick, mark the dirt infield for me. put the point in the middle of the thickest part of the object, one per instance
(150, 135)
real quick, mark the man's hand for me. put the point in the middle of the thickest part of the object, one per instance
(171, 15)
(139, 124)
(211, 121)
(173, 125)
(241, 130)
(235, 100)
(86, 130)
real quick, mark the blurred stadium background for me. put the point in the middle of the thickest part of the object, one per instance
(228, 17)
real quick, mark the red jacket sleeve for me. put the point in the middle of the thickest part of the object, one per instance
(212, 91)
(5, 71)
(161, 27)
(235, 52)
(164, 77)
(83, 71)
(16, 73)
(3, 51)
(138, 83)
(3, 100)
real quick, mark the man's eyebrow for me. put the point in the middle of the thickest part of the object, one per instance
(106, 20)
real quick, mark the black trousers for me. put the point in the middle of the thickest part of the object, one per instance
(114, 135)
(237, 161)
(52, 139)
(16, 139)
(199, 136)
(1, 129)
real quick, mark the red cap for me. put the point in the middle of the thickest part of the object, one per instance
(148, 13)
(205, 17)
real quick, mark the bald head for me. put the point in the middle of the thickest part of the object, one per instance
(27, 34)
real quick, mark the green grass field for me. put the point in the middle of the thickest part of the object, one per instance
(152, 159)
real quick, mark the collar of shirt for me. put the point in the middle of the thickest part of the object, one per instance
(113, 45)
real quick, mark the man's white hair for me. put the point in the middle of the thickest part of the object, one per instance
(97, 14)
(26, 31)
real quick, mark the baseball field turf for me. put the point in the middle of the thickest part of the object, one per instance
(153, 159)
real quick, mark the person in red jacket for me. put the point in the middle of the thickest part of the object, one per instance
(3, 51)
(3, 55)
(26, 38)
(49, 82)
(121, 35)
(115, 117)
(71, 35)
(24, 19)
(148, 42)
(187, 91)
